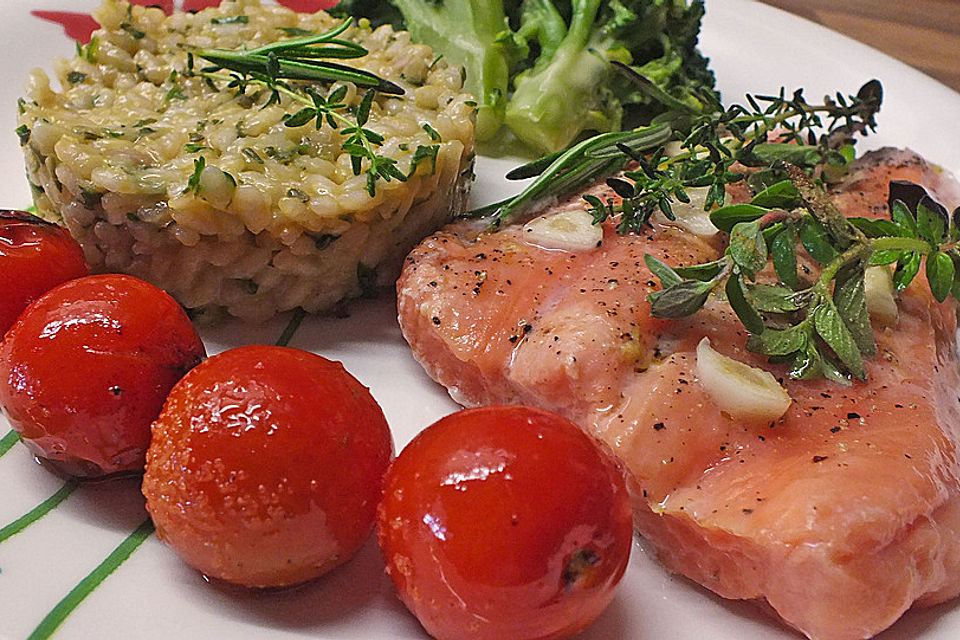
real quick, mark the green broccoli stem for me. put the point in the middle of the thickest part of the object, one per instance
(541, 20)
(565, 93)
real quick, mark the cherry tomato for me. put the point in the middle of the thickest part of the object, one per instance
(86, 368)
(35, 256)
(266, 466)
(504, 522)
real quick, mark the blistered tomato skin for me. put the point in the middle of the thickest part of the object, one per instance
(266, 466)
(86, 368)
(504, 522)
(35, 256)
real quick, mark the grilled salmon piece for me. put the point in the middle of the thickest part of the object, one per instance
(841, 514)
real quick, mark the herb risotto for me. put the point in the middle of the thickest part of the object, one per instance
(242, 188)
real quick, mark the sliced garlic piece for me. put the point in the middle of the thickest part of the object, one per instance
(881, 296)
(569, 230)
(690, 216)
(742, 391)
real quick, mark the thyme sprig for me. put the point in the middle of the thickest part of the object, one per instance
(711, 145)
(821, 328)
(302, 59)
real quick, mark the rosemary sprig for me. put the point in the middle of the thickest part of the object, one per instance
(562, 173)
(303, 59)
(300, 59)
(821, 328)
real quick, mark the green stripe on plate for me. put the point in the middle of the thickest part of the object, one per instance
(86, 586)
(7, 441)
(39, 511)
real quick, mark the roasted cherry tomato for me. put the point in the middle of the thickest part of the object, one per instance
(86, 368)
(35, 256)
(504, 522)
(266, 466)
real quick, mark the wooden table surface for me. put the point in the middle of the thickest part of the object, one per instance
(922, 33)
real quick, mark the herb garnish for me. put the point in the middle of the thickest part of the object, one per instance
(711, 141)
(303, 59)
(820, 328)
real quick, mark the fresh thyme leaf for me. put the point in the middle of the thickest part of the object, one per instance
(680, 300)
(940, 274)
(363, 111)
(301, 117)
(881, 258)
(747, 247)
(849, 296)
(796, 154)
(901, 215)
(783, 252)
(813, 236)
(807, 362)
(175, 93)
(778, 342)
(908, 266)
(832, 371)
(772, 298)
(725, 218)
(749, 316)
(831, 327)
(702, 272)
(932, 221)
(782, 195)
(335, 99)
(875, 227)
(668, 277)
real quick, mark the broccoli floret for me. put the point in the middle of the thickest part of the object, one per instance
(573, 87)
(545, 67)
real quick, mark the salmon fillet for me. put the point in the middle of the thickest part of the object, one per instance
(841, 515)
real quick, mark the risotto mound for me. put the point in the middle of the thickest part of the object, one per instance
(199, 181)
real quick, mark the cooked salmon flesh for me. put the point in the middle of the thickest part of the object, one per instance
(840, 515)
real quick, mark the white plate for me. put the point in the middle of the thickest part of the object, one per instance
(154, 596)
